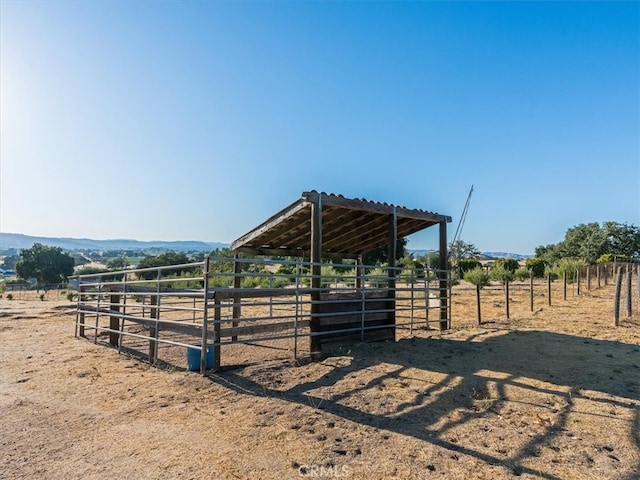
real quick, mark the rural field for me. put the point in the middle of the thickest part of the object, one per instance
(551, 394)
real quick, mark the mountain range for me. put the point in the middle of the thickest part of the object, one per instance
(17, 241)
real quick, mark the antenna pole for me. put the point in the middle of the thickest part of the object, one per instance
(456, 236)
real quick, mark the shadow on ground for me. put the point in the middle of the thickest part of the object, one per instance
(570, 368)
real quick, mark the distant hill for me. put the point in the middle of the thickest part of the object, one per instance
(18, 241)
(483, 255)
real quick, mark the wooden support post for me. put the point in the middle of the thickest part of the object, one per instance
(564, 285)
(237, 282)
(588, 278)
(427, 295)
(204, 342)
(578, 280)
(549, 288)
(391, 260)
(114, 320)
(445, 321)
(598, 268)
(316, 258)
(360, 287)
(217, 317)
(359, 273)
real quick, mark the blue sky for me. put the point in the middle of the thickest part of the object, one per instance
(198, 120)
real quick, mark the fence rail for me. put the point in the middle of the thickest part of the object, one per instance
(203, 307)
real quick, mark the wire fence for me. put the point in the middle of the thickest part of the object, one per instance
(530, 295)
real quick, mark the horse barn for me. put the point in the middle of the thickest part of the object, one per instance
(295, 287)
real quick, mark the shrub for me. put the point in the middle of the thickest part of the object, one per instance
(610, 258)
(500, 273)
(10, 296)
(70, 296)
(466, 264)
(522, 273)
(551, 271)
(570, 266)
(509, 264)
(42, 295)
(377, 278)
(477, 276)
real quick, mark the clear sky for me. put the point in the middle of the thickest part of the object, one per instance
(194, 120)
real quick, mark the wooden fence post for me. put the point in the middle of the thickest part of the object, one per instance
(114, 320)
(81, 299)
(578, 279)
(549, 288)
(506, 292)
(478, 299)
(531, 290)
(616, 300)
(154, 312)
(237, 283)
(629, 302)
(564, 285)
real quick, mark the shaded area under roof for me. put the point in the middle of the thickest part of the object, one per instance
(349, 227)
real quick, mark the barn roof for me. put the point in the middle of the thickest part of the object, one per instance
(349, 227)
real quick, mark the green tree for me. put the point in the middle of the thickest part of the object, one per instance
(501, 273)
(431, 260)
(163, 260)
(591, 241)
(623, 239)
(381, 255)
(91, 270)
(9, 262)
(537, 266)
(570, 267)
(118, 263)
(45, 264)
(479, 278)
(510, 264)
(461, 249)
(522, 273)
(466, 264)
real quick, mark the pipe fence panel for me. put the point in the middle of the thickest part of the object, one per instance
(234, 304)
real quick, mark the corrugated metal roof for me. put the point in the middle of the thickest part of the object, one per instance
(349, 226)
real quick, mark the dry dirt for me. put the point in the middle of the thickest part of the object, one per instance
(553, 394)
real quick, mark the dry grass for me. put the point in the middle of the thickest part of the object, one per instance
(553, 394)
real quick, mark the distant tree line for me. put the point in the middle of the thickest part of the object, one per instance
(583, 244)
(595, 243)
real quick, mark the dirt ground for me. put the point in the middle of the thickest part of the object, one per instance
(552, 394)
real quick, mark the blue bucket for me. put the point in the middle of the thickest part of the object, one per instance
(193, 358)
